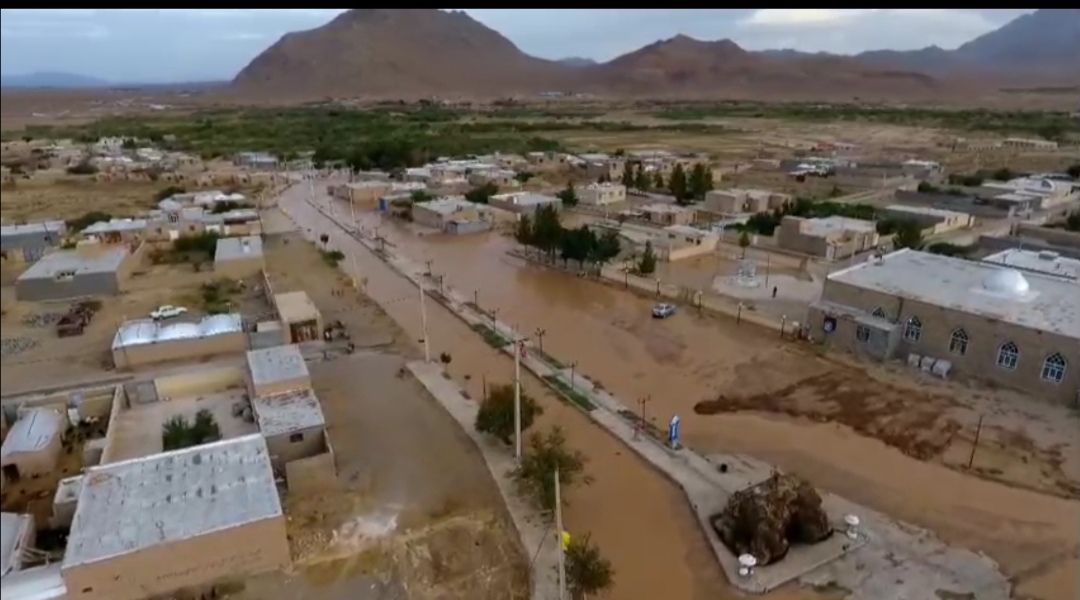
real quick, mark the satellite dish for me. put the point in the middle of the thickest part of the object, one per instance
(748, 561)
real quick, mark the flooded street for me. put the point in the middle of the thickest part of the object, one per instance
(676, 363)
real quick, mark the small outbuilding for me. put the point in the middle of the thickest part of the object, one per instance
(146, 341)
(293, 425)
(32, 448)
(299, 317)
(238, 257)
(276, 370)
(16, 535)
(89, 270)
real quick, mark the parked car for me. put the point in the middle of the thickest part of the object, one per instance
(167, 311)
(663, 310)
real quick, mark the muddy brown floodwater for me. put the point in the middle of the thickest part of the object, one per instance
(676, 363)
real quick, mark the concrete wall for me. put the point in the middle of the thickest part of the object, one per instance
(222, 555)
(194, 348)
(42, 461)
(200, 382)
(239, 268)
(985, 338)
(277, 387)
(1057, 237)
(283, 450)
(311, 474)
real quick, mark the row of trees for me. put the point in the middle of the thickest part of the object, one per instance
(545, 232)
(587, 571)
(686, 188)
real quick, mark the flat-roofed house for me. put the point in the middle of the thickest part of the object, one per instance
(29, 242)
(238, 257)
(33, 445)
(277, 370)
(88, 270)
(829, 237)
(180, 520)
(146, 341)
(300, 319)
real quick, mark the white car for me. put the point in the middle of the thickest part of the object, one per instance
(167, 312)
(663, 310)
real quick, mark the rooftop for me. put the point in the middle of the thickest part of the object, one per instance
(826, 225)
(277, 363)
(448, 205)
(135, 504)
(34, 431)
(925, 210)
(238, 248)
(287, 412)
(1045, 261)
(526, 198)
(1035, 301)
(147, 331)
(30, 228)
(12, 528)
(295, 307)
(115, 226)
(660, 207)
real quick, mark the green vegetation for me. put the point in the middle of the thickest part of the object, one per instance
(948, 249)
(1072, 222)
(647, 264)
(677, 185)
(766, 223)
(179, 433)
(744, 241)
(83, 168)
(87, 219)
(332, 257)
(482, 194)
(1053, 125)
(699, 183)
(568, 195)
(496, 414)
(547, 235)
(217, 295)
(587, 572)
(226, 205)
(544, 454)
(492, 337)
(569, 393)
(1074, 171)
(421, 196)
(908, 235)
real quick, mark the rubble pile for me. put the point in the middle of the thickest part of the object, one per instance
(765, 519)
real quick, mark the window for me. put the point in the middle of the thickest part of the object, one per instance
(1053, 369)
(879, 312)
(296, 437)
(959, 342)
(1008, 356)
(913, 329)
(862, 333)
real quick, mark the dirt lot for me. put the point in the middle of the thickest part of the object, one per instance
(414, 508)
(34, 356)
(66, 197)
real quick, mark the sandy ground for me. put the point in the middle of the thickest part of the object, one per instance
(415, 513)
(66, 197)
(51, 360)
(683, 361)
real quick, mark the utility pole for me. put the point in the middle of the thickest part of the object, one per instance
(423, 322)
(540, 331)
(559, 537)
(476, 299)
(641, 424)
(572, 366)
(518, 346)
(494, 327)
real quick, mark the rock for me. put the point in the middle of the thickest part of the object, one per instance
(763, 520)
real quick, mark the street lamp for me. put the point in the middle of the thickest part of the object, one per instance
(540, 331)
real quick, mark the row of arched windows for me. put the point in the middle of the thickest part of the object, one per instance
(1008, 354)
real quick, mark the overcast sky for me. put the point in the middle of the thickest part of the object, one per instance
(166, 45)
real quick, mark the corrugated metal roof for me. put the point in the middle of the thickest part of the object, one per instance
(148, 331)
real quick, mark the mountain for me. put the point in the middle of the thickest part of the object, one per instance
(396, 53)
(44, 79)
(399, 53)
(576, 61)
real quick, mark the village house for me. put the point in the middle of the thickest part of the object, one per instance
(830, 237)
(601, 194)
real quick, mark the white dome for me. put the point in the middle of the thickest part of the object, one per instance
(1007, 282)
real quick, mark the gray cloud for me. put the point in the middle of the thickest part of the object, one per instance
(159, 45)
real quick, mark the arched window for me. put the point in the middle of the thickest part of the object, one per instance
(959, 342)
(1053, 369)
(913, 329)
(1008, 356)
(879, 312)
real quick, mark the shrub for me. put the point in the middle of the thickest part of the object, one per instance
(496, 414)
(537, 472)
(178, 433)
(83, 168)
(87, 219)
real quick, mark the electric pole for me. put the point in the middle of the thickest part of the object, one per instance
(540, 331)
(423, 323)
(641, 424)
(559, 537)
(518, 346)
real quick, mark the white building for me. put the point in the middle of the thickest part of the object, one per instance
(277, 369)
(1046, 261)
(33, 445)
(602, 194)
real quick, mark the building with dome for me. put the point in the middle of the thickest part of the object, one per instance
(1013, 326)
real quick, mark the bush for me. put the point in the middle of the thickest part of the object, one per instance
(948, 249)
(537, 472)
(647, 264)
(496, 414)
(587, 572)
(83, 168)
(202, 243)
(178, 433)
(87, 219)
(168, 192)
(332, 257)
(482, 194)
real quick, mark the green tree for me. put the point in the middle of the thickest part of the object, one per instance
(641, 180)
(677, 184)
(178, 433)
(658, 180)
(577, 244)
(587, 572)
(1072, 223)
(167, 192)
(482, 194)
(607, 247)
(647, 264)
(1074, 171)
(547, 230)
(700, 182)
(908, 234)
(744, 242)
(523, 233)
(537, 472)
(129, 144)
(496, 414)
(1003, 174)
(421, 196)
(568, 195)
(628, 176)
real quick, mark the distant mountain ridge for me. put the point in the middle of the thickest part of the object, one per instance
(51, 79)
